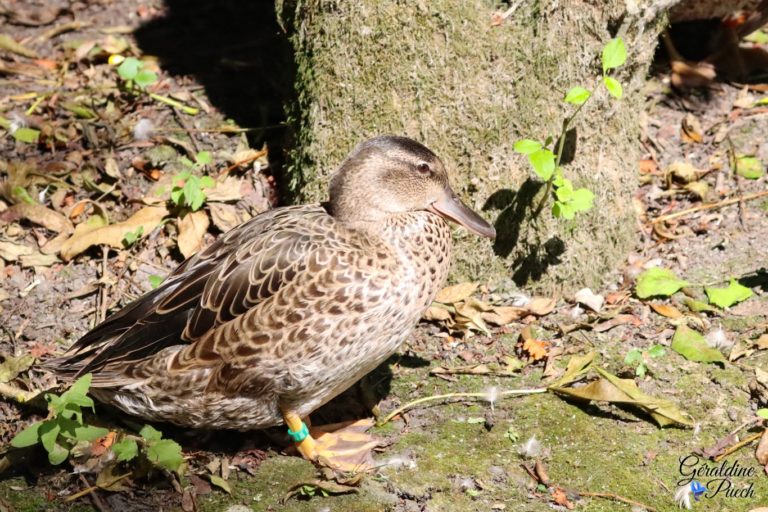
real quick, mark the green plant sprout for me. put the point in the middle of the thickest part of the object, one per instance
(64, 427)
(187, 191)
(135, 74)
(641, 358)
(131, 237)
(546, 162)
(162, 453)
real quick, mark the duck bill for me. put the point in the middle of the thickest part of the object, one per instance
(450, 207)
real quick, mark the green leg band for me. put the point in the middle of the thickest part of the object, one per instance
(301, 435)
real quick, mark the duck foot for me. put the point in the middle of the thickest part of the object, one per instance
(341, 446)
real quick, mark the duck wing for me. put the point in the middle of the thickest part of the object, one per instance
(241, 269)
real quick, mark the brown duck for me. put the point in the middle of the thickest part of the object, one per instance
(289, 309)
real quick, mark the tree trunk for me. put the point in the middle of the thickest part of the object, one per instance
(439, 71)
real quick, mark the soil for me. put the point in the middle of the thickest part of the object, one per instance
(455, 454)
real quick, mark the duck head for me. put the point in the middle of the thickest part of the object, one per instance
(389, 175)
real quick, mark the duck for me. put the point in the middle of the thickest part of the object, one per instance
(289, 309)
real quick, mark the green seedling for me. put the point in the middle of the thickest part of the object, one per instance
(188, 188)
(640, 358)
(135, 74)
(546, 161)
(64, 427)
(162, 453)
(131, 237)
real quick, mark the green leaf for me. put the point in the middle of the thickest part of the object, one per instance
(577, 96)
(563, 210)
(81, 385)
(57, 454)
(204, 158)
(613, 86)
(220, 483)
(145, 78)
(692, 346)
(527, 146)
(49, 431)
(130, 237)
(657, 351)
(582, 200)
(614, 54)
(763, 413)
(564, 192)
(543, 163)
(28, 135)
(698, 306)
(176, 195)
(155, 281)
(89, 432)
(559, 181)
(149, 433)
(127, 449)
(749, 167)
(658, 281)
(129, 68)
(79, 400)
(189, 163)
(165, 453)
(727, 297)
(633, 356)
(27, 437)
(207, 182)
(641, 370)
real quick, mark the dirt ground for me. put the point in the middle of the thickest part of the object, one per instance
(107, 150)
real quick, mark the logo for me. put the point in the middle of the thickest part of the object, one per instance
(703, 480)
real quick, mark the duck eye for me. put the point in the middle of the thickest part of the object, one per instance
(423, 168)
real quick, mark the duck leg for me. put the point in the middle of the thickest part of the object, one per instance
(342, 446)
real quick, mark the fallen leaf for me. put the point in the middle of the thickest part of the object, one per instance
(658, 281)
(692, 345)
(762, 341)
(39, 214)
(683, 171)
(666, 310)
(588, 298)
(698, 306)
(749, 167)
(691, 129)
(10, 44)
(38, 260)
(227, 216)
(456, 293)
(577, 367)
(727, 297)
(612, 389)
(541, 306)
(148, 218)
(472, 310)
(617, 321)
(228, 189)
(503, 315)
(220, 483)
(11, 251)
(13, 366)
(192, 228)
(436, 314)
(536, 349)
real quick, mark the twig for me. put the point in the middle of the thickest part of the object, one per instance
(734, 162)
(92, 488)
(95, 497)
(433, 398)
(16, 394)
(616, 497)
(170, 101)
(719, 204)
(103, 304)
(185, 125)
(248, 160)
(734, 447)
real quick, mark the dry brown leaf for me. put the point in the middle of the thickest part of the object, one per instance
(147, 218)
(588, 298)
(192, 228)
(436, 314)
(11, 251)
(762, 449)
(541, 306)
(503, 315)
(666, 310)
(683, 171)
(691, 129)
(228, 189)
(762, 341)
(456, 293)
(472, 310)
(227, 216)
(38, 214)
(616, 321)
(38, 260)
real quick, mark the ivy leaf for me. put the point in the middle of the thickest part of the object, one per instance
(658, 281)
(166, 454)
(27, 437)
(614, 54)
(613, 86)
(692, 346)
(149, 433)
(577, 96)
(527, 146)
(727, 297)
(126, 450)
(543, 163)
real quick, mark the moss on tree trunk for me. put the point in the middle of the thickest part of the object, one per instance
(440, 72)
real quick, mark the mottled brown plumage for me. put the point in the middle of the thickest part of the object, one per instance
(289, 309)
